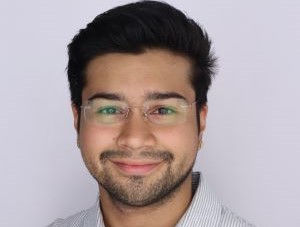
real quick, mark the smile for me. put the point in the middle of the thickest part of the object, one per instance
(136, 168)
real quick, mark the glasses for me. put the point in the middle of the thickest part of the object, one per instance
(161, 112)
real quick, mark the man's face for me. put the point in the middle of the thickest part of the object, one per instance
(136, 161)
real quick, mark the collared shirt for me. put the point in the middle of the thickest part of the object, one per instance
(205, 210)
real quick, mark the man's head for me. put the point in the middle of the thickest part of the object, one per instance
(134, 28)
(139, 76)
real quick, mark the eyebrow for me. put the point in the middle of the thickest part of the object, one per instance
(149, 96)
(109, 96)
(164, 95)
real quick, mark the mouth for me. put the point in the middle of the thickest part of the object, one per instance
(136, 168)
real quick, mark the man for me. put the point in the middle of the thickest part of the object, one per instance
(139, 76)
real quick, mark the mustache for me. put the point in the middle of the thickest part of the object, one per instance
(161, 155)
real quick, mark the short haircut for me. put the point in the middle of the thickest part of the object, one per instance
(135, 28)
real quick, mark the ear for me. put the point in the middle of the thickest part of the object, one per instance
(76, 116)
(203, 114)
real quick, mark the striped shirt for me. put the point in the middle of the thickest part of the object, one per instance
(205, 210)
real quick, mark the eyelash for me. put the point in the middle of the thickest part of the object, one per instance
(105, 109)
(166, 109)
(156, 110)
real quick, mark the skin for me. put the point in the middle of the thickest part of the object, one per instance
(134, 77)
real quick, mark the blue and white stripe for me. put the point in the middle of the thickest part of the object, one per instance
(204, 211)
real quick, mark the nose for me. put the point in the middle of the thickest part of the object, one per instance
(136, 134)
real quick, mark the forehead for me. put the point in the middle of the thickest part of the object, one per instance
(136, 75)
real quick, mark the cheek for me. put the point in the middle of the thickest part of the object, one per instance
(93, 140)
(182, 141)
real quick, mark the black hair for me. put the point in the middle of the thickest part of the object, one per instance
(134, 28)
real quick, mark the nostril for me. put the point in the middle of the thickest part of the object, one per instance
(135, 134)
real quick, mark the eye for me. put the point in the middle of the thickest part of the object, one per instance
(109, 110)
(163, 110)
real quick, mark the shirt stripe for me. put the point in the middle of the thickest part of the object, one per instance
(205, 210)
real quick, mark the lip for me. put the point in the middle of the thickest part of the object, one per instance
(136, 168)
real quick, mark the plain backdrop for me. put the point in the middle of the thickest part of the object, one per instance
(251, 147)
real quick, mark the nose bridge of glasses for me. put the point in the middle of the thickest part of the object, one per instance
(141, 109)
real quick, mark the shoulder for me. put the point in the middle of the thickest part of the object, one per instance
(75, 220)
(207, 210)
(229, 218)
(83, 218)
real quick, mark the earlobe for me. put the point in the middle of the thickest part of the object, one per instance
(75, 117)
(202, 124)
(203, 115)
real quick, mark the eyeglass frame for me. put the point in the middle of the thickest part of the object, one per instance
(145, 114)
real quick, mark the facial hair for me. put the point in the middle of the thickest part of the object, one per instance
(140, 191)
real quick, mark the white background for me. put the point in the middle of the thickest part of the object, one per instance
(251, 148)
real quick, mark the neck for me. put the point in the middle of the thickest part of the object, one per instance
(165, 213)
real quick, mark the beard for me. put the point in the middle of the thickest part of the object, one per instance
(141, 191)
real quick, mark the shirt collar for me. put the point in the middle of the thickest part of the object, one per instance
(204, 209)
